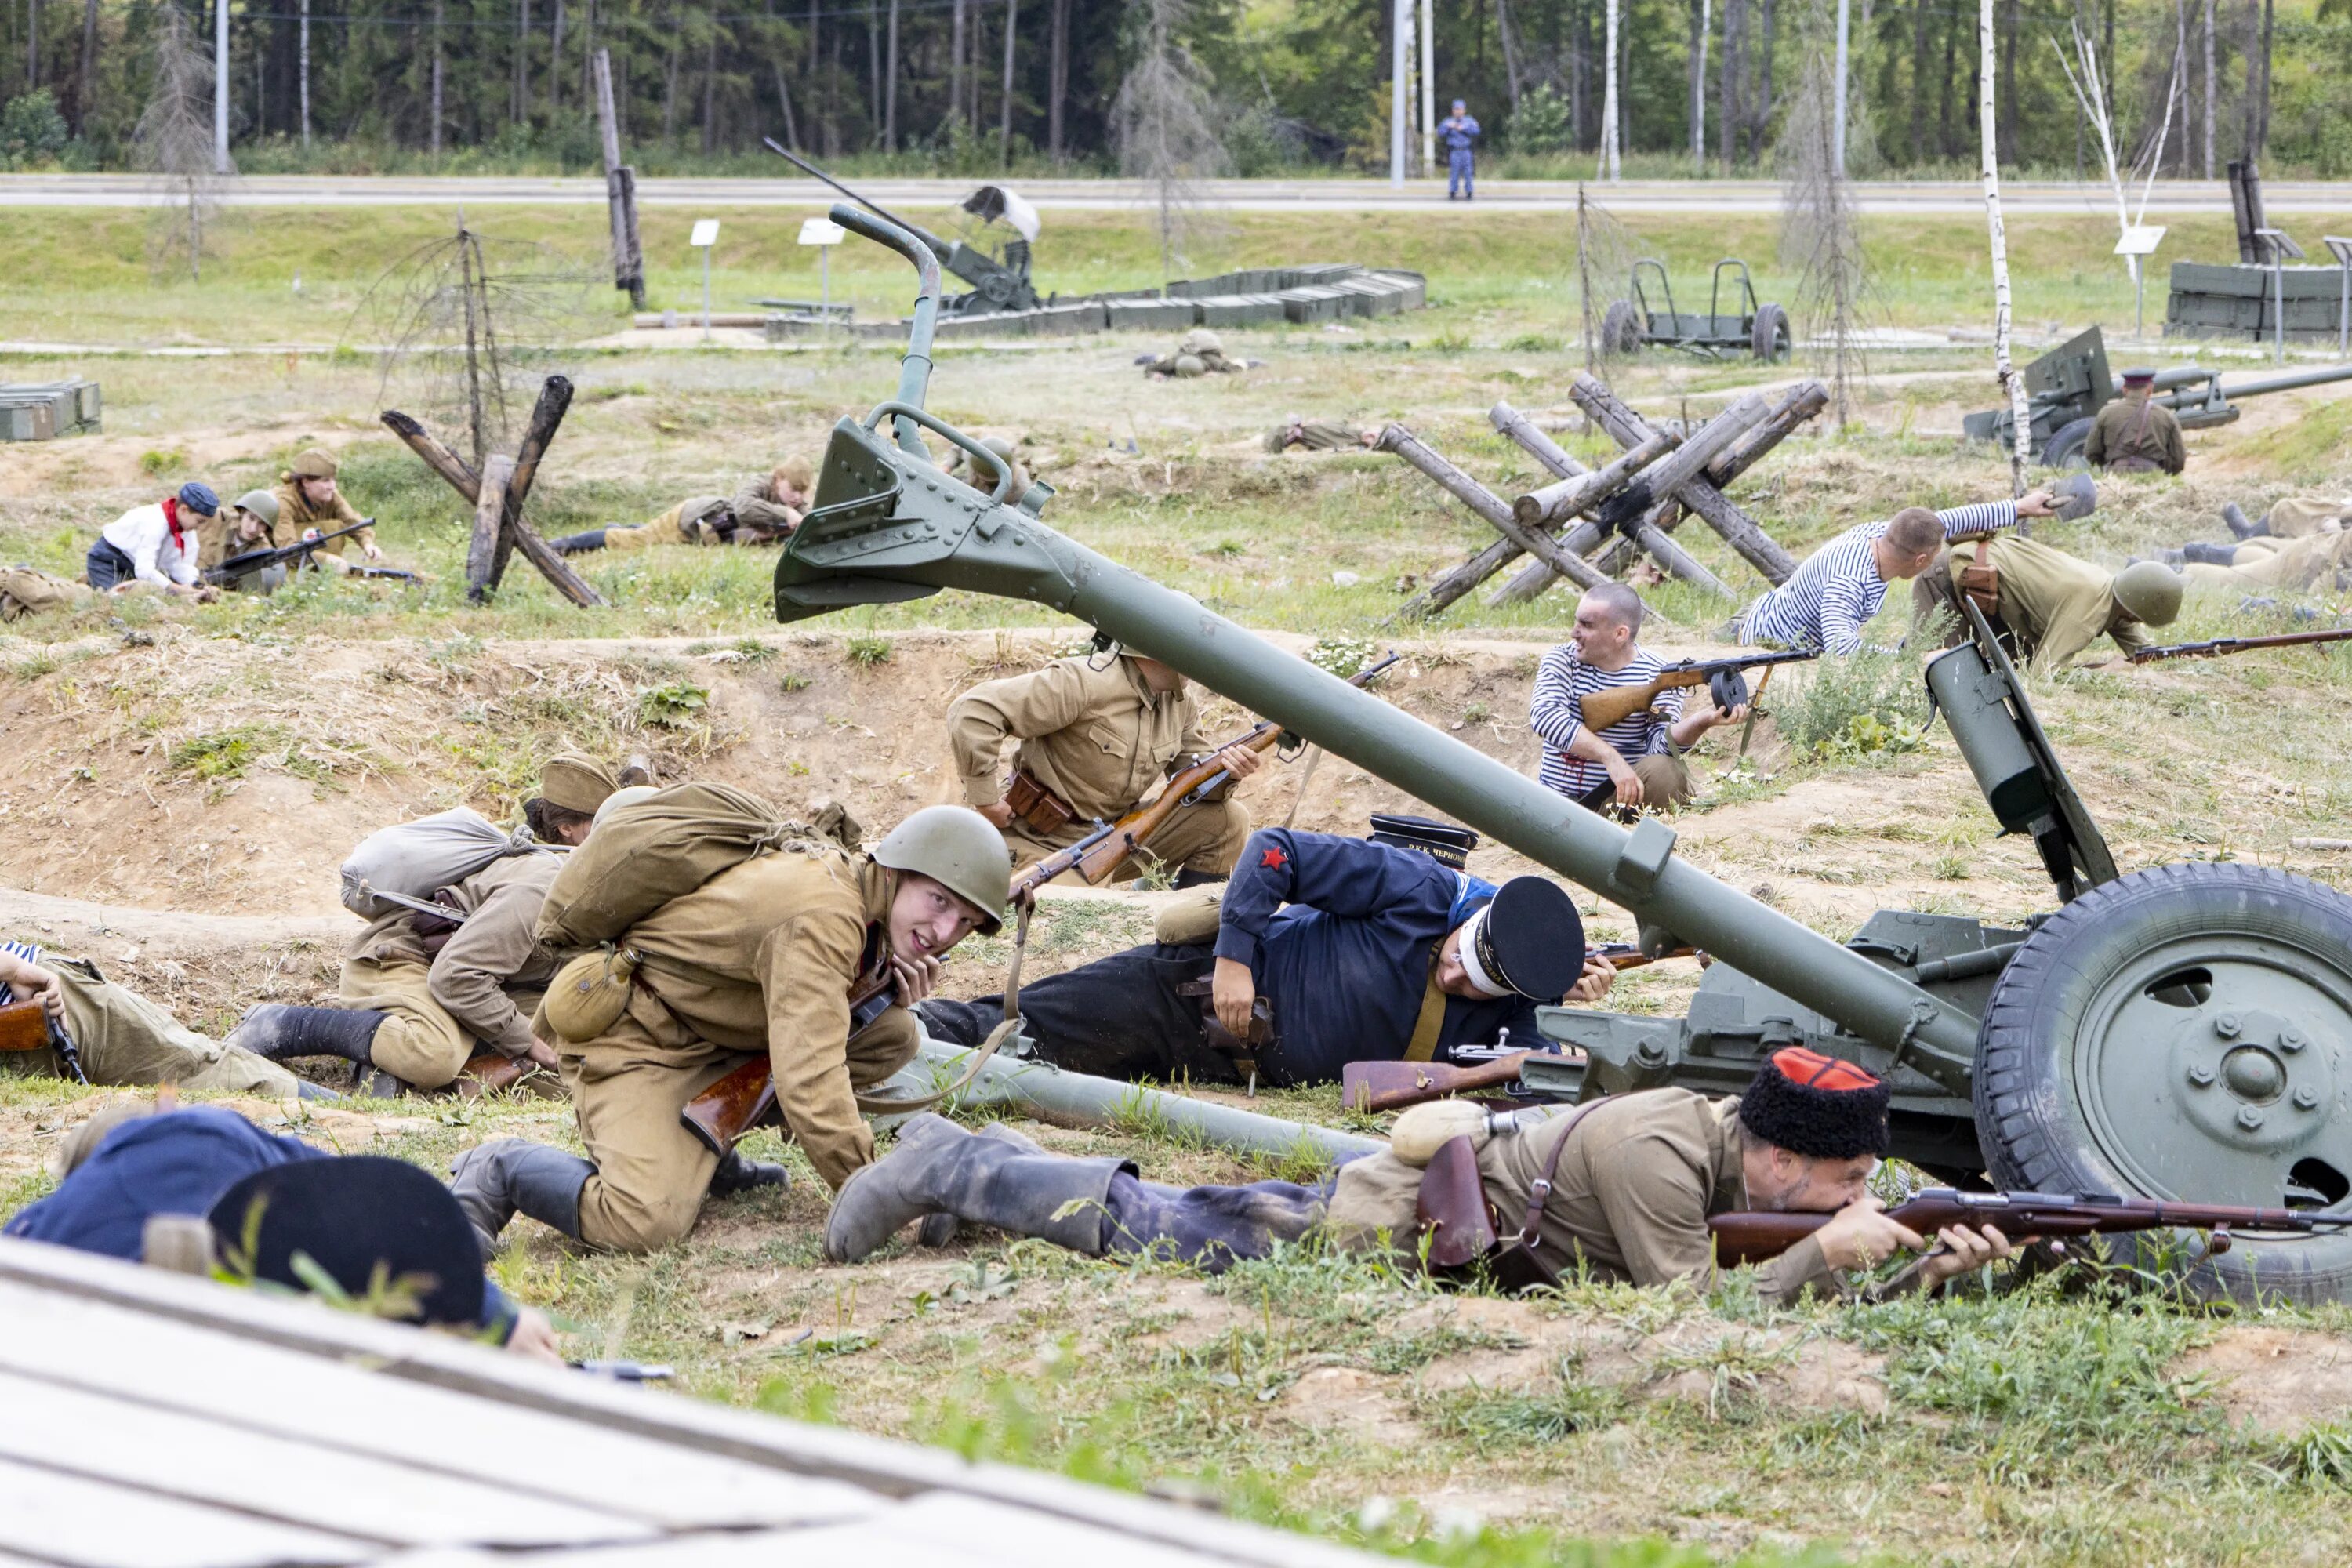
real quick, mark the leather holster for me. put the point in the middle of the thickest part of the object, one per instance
(1457, 1223)
(1035, 806)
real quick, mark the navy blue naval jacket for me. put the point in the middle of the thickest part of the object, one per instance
(1339, 934)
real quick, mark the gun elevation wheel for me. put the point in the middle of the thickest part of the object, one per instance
(1769, 339)
(2184, 1033)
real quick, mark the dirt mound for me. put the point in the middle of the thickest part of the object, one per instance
(2281, 1381)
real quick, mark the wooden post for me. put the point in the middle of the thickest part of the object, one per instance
(554, 399)
(1556, 504)
(1627, 427)
(1532, 440)
(463, 479)
(1487, 504)
(620, 189)
(1804, 402)
(490, 523)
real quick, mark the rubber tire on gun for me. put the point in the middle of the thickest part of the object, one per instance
(2065, 447)
(1769, 339)
(2109, 1061)
(1621, 327)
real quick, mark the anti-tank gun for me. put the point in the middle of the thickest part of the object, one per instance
(2066, 387)
(2183, 1033)
(998, 282)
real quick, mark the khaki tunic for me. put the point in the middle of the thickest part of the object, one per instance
(2056, 604)
(2300, 517)
(439, 1006)
(1634, 1189)
(681, 524)
(754, 507)
(2312, 561)
(2157, 443)
(24, 591)
(761, 957)
(1317, 436)
(1099, 738)
(295, 515)
(125, 1040)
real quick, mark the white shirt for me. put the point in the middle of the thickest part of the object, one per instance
(143, 535)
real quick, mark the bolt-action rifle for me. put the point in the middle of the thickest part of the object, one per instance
(29, 1026)
(1753, 1238)
(254, 560)
(2238, 644)
(1725, 679)
(1383, 1086)
(1105, 853)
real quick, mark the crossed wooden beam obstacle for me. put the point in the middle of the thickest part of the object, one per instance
(1632, 504)
(497, 496)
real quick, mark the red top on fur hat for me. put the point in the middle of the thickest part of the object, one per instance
(1818, 1071)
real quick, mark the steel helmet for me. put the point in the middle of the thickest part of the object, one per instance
(620, 800)
(1189, 366)
(2149, 592)
(956, 848)
(261, 504)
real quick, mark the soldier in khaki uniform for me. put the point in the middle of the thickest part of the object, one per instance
(29, 591)
(1198, 352)
(1629, 1183)
(307, 501)
(250, 524)
(413, 1005)
(763, 957)
(2290, 517)
(2134, 436)
(2318, 561)
(1093, 735)
(1319, 436)
(125, 1039)
(767, 509)
(2053, 604)
(764, 512)
(983, 477)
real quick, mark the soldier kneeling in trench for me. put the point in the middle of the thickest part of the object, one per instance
(1621, 1186)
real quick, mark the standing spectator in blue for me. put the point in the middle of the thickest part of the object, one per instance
(1459, 131)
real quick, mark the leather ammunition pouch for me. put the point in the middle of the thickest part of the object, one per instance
(1460, 1229)
(1035, 806)
(1981, 585)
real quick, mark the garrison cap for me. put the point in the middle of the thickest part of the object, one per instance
(1528, 939)
(1441, 841)
(1816, 1105)
(352, 1217)
(576, 782)
(312, 463)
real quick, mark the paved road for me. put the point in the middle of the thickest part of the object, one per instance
(1743, 196)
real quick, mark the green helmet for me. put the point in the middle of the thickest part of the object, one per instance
(620, 800)
(261, 504)
(956, 848)
(2149, 592)
(1199, 341)
(1189, 366)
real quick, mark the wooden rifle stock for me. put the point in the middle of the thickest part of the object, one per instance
(491, 1072)
(1742, 1238)
(24, 1027)
(747, 1097)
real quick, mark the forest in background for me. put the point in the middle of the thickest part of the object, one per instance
(1296, 86)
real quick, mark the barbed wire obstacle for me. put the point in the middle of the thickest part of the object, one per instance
(462, 320)
(1821, 231)
(1164, 124)
(497, 494)
(1631, 505)
(173, 142)
(1604, 262)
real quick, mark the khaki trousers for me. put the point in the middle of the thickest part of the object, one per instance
(126, 1040)
(2299, 517)
(417, 1042)
(2294, 564)
(1665, 781)
(1207, 838)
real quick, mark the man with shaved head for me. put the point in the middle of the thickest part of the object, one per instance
(1636, 762)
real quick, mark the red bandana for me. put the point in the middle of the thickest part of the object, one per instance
(171, 522)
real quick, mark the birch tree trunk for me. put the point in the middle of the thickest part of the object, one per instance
(554, 61)
(1057, 78)
(955, 65)
(873, 67)
(302, 66)
(2021, 417)
(1510, 50)
(890, 87)
(1702, 18)
(785, 101)
(2212, 96)
(1004, 109)
(1609, 160)
(432, 137)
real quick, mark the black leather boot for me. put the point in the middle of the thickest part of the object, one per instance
(938, 1168)
(2197, 552)
(739, 1174)
(495, 1180)
(579, 543)
(277, 1032)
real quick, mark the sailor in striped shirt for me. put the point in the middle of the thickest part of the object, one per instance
(1636, 760)
(1830, 598)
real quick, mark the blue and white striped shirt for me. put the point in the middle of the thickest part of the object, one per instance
(1829, 599)
(1555, 713)
(24, 950)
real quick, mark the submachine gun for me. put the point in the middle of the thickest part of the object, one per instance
(2175, 1033)
(998, 283)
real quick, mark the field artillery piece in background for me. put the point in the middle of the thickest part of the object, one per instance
(998, 282)
(1632, 323)
(2066, 388)
(2183, 1033)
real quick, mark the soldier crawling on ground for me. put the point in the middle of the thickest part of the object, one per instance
(764, 512)
(1198, 352)
(123, 1038)
(2050, 605)
(1319, 436)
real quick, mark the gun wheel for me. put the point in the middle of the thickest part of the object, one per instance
(1621, 327)
(2184, 1033)
(2065, 449)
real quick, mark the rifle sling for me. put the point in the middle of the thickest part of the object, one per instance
(1430, 1021)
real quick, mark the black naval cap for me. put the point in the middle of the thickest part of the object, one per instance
(1528, 939)
(350, 1216)
(1443, 842)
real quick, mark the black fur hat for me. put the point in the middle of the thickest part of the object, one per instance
(1816, 1105)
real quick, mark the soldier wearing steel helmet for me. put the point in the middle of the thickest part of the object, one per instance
(249, 524)
(761, 957)
(2054, 605)
(983, 477)
(1198, 352)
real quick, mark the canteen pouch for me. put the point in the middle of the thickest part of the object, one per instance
(1457, 1227)
(588, 995)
